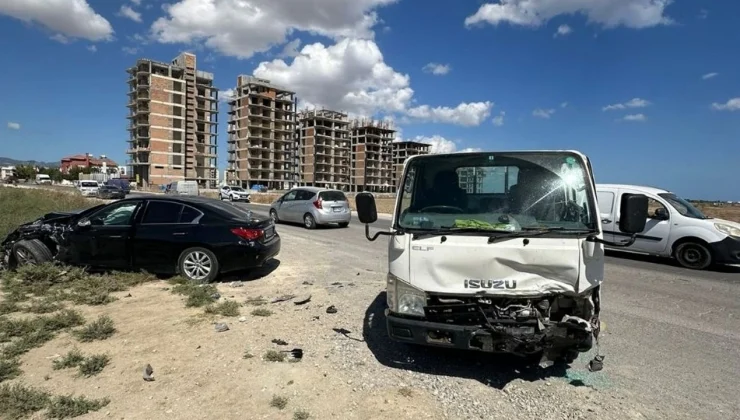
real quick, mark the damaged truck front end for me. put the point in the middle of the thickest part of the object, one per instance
(499, 253)
(40, 240)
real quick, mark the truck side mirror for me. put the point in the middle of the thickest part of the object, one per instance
(661, 214)
(366, 210)
(633, 213)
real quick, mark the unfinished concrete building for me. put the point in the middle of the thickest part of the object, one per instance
(372, 166)
(263, 145)
(173, 122)
(402, 150)
(324, 149)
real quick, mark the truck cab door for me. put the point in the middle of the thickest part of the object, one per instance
(654, 239)
(103, 239)
(607, 200)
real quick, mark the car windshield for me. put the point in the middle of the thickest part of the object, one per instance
(497, 191)
(683, 207)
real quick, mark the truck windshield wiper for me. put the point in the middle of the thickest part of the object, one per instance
(456, 230)
(495, 234)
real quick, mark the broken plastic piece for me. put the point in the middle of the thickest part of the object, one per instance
(331, 310)
(596, 364)
(279, 342)
(296, 353)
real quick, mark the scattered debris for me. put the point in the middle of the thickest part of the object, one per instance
(296, 353)
(331, 310)
(308, 283)
(221, 327)
(148, 373)
(279, 342)
(336, 283)
(242, 319)
(282, 298)
(128, 295)
(302, 300)
(596, 364)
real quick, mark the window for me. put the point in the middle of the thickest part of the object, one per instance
(332, 196)
(118, 214)
(177, 160)
(177, 86)
(189, 214)
(290, 196)
(656, 210)
(606, 201)
(487, 180)
(158, 212)
(304, 195)
(229, 211)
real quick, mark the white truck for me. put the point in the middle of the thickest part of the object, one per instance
(499, 252)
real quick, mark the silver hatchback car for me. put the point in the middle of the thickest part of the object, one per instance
(312, 206)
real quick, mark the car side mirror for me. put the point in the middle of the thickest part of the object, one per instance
(661, 214)
(366, 210)
(633, 213)
(84, 222)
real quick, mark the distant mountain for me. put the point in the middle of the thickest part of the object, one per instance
(6, 161)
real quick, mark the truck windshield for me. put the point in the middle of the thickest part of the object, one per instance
(497, 191)
(682, 206)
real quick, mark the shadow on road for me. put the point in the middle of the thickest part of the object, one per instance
(253, 274)
(668, 262)
(489, 369)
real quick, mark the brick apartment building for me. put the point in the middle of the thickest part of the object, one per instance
(402, 150)
(262, 143)
(87, 160)
(173, 122)
(325, 149)
(372, 164)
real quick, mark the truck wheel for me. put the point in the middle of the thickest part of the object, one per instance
(31, 252)
(693, 255)
(198, 265)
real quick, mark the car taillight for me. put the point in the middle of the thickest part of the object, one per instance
(318, 204)
(247, 233)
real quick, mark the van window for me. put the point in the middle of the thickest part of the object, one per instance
(653, 206)
(88, 184)
(606, 201)
(332, 196)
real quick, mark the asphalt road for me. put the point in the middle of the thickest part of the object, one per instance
(671, 335)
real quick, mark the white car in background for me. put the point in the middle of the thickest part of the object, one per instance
(88, 188)
(233, 193)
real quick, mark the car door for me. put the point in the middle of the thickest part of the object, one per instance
(103, 239)
(303, 200)
(607, 199)
(165, 230)
(654, 238)
(284, 206)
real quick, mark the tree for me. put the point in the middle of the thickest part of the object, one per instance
(25, 172)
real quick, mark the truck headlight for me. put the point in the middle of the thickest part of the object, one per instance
(727, 229)
(404, 298)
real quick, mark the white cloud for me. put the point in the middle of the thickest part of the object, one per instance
(130, 50)
(608, 13)
(14, 126)
(60, 39)
(498, 120)
(136, 2)
(563, 30)
(127, 12)
(543, 113)
(439, 144)
(632, 103)
(241, 28)
(470, 149)
(352, 76)
(731, 105)
(564, 105)
(92, 48)
(709, 76)
(226, 95)
(703, 13)
(291, 49)
(69, 18)
(437, 69)
(635, 117)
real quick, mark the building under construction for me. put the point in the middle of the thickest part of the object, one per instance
(325, 149)
(372, 168)
(173, 128)
(402, 150)
(262, 143)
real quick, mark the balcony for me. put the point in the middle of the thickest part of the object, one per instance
(140, 149)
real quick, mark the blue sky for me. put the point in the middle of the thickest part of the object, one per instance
(651, 93)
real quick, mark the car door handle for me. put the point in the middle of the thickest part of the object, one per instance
(179, 234)
(115, 236)
(606, 221)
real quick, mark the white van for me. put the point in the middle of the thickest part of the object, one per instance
(674, 228)
(182, 188)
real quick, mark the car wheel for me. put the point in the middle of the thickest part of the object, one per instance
(344, 224)
(198, 265)
(31, 252)
(308, 221)
(274, 217)
(231, 198)
(693, 255)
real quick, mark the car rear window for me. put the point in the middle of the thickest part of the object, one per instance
(332, 196)
(89, 184)
(229, 211)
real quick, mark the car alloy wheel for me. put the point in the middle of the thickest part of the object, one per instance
(23, 257)
(197, 265)
(274, 216)
(309, 221)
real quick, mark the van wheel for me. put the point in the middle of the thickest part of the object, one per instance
(693, 255)
(308, 221)
(31, 252)
(198, 265)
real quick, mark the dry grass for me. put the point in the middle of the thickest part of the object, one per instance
(727, 212)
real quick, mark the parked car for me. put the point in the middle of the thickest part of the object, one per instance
(675, 228)
(312, 206)
(121, 183)
(111, 192)
(196, 237)
(88, 188)
(234, 193)
(182, 188)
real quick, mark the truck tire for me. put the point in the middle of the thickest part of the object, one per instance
(31, 252)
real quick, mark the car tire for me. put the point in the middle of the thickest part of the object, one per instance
(231, 198)
(693, 255)
(31, 252)
(274, 217)
(344, 224)
(194, 258)
(308, 221)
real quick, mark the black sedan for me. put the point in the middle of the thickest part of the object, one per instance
(195, 237)
(111, 191)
